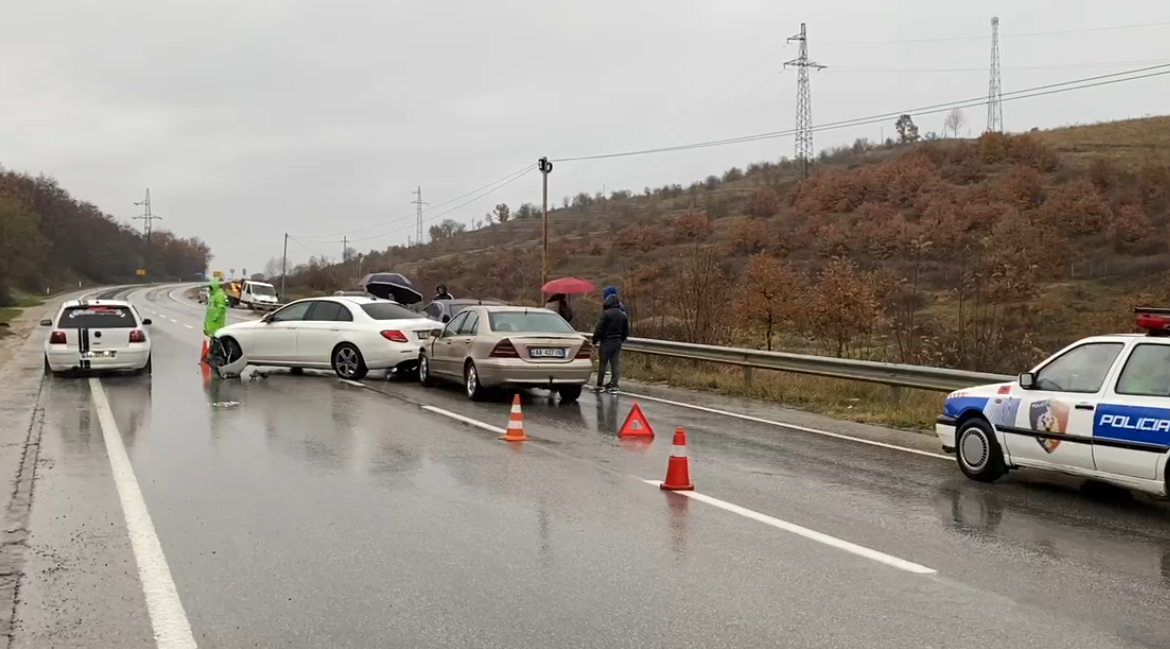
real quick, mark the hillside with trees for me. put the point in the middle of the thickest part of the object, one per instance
(49, 239)
(981, 254)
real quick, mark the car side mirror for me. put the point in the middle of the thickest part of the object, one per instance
(435, 333)
(1027, 380)
(147, 321)
(46, 323)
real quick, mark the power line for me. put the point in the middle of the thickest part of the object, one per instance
(415, 214)
(432, 217)
(804, 140)
(1054, 66)
(1038, 91)
(950, 39)
(994, 89)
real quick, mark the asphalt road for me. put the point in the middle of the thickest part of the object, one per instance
(301, 511)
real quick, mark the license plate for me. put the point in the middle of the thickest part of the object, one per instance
(547, 352)
(101, 354)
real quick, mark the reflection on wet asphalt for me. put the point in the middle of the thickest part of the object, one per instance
(300, 511)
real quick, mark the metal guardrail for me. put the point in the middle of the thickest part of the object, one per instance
(893, 374)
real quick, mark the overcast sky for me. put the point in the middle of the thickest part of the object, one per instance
(250, 118)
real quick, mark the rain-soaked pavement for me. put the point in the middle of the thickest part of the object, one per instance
(300, 511)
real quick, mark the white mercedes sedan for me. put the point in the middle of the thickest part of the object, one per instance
(350, 335)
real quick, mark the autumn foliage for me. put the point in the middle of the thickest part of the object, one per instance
(48, 238)
(982, 254)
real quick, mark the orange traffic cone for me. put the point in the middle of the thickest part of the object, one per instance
(206, 348)
(515, 432)
(678, 472)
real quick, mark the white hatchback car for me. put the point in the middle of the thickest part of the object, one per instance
(350, 335)
(1099, 408)
(97, 335)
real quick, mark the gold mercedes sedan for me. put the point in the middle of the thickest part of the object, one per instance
(488, 347)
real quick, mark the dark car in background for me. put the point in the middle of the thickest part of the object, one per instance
(444, 310)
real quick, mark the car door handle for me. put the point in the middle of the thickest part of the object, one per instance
(334, 329)
(1084, 406)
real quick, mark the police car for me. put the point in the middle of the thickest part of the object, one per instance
(97, 335)
(1099, 408)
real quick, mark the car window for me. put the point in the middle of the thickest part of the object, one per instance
(260, 289)
(453, 327)
(323, 311)
(97, 317)
(389, 311)
(1080, 369)
(433, 310)
(470, 324)
(528, 322)
(1146, 372)
(293, 312)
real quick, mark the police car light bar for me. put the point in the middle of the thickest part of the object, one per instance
(1155, 320)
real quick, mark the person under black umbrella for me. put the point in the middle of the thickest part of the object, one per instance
(442, 294)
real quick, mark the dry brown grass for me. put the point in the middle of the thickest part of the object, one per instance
(850, 400)
(1128, 142)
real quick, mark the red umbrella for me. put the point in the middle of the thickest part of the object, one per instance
(568, 286)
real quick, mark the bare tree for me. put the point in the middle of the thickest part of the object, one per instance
(954, 121)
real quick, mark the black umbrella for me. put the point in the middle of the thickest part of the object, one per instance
(391, 286)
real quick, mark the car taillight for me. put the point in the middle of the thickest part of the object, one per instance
(395, 336)
(57, 338)
(586, 352)
(504, 349)
(136, 336)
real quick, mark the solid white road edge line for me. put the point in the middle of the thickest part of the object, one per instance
(467, 420)
(805, 429)
(819, 537)
(172, 630)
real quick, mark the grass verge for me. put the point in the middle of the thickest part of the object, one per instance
(8, 314)
(850, 400)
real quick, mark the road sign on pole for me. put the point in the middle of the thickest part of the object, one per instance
(141, 272)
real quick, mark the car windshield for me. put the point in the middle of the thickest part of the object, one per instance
(263, 289)
(97, 317)
(389, 311)
(528, 322)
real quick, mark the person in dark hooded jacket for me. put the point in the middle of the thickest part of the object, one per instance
(613, 328)
(612, 290)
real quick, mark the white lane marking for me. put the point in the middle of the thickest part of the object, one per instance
(467, 420)
(188, 326)
(781, 424)
(167, 617)
(356, 384)
(819, 537)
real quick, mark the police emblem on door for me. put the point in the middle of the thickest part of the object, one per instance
(1048, 416)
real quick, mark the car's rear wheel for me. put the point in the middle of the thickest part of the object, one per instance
(475, 390)
(348, 363)
(977, 451)
(569, 393)
(424, 372)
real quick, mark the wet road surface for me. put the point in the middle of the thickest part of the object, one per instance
(301, 511)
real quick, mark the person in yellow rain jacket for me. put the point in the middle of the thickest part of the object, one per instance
(217, 308)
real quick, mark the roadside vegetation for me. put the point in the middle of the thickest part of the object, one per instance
(984, 254)
(10, 313)
(51, 240)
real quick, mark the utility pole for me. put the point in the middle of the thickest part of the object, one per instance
(344, 250)
(994, 89)
(147, 217)
(804, 136)
(418, 202)
(283, 265)
(545, 168)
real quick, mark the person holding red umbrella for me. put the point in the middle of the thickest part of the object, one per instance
(559, 291)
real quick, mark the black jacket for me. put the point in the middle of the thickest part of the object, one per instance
(613, 325)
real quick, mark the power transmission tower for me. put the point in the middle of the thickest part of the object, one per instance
(418, 203)
(147, 217)
(804, 138)
(994, 89)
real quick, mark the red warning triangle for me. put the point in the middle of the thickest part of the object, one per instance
(636, 424)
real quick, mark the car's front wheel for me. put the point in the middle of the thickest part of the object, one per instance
(977, 451)
(475, 390)
(424, 372)
(348, 363)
